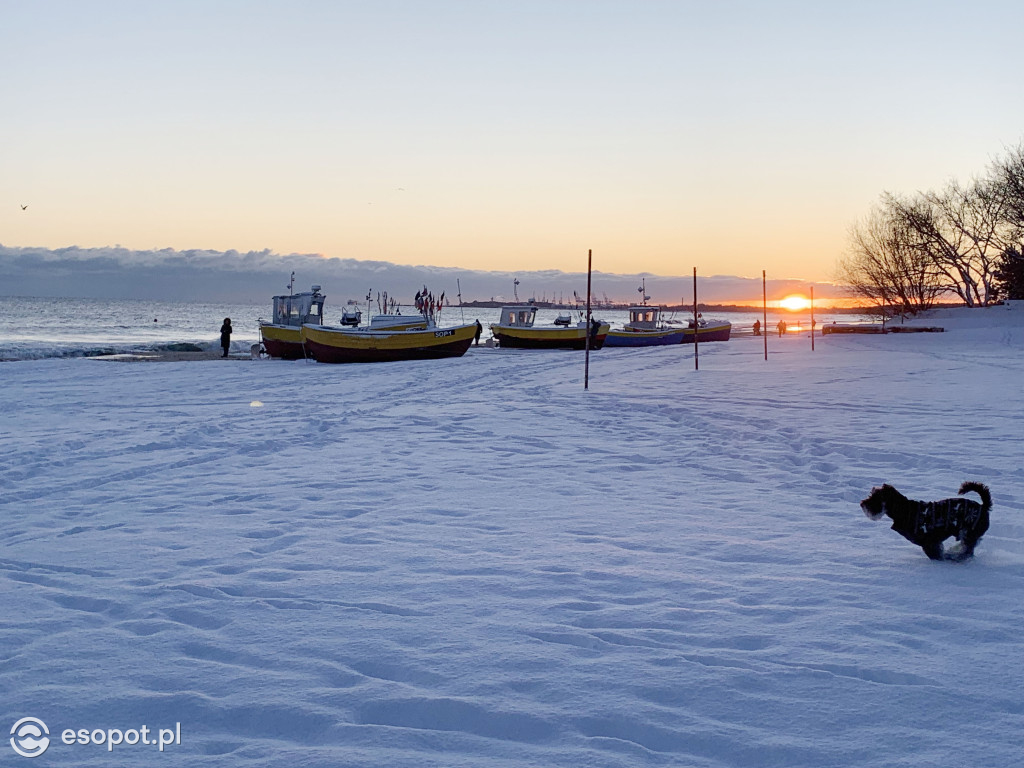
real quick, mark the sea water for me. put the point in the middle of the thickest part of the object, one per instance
(34, 328)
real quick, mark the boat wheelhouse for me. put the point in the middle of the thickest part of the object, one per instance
(281, 337)
(645, 317)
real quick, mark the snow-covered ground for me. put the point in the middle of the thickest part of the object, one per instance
(475, 562)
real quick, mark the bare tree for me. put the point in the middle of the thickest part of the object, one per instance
(1009, 173)
(885, 268)
(964, 231)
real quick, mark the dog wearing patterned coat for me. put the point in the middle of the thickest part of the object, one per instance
(929, 523)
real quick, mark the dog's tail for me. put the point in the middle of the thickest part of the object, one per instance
(981, 490)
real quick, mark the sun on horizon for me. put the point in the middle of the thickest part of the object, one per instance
(795, 302)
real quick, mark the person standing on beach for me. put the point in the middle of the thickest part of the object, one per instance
(757, 327)
(225, 336)
(479, 330)
(782, 327)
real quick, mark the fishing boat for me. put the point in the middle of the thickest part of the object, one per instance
(876, 328)
(647, 326)
(327, 344)
(390, 336)
(835, 327)
(645, 329)
(516, 329)
(282, 336)
(706, 330)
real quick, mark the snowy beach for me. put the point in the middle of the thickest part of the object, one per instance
(475, 562)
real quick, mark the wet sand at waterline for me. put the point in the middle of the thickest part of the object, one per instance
(170, 356)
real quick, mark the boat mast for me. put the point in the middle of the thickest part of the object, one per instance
(696, 325)
(586, 347)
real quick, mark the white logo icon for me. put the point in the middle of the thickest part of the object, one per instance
(30, 737)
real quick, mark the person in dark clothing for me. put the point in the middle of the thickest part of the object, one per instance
(225, 336)
(757, 327)
(479, 330)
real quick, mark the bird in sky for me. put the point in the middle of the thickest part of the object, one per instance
(24, 207)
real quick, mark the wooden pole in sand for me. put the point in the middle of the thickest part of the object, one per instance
(586, 357)
(812, 318)
(696, 325)
(764, 300)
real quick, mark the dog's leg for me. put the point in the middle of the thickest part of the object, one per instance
(965, 552)
(933, 549)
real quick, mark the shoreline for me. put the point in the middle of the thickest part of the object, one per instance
(168, 356)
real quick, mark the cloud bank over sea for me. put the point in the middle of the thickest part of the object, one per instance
(206, 275)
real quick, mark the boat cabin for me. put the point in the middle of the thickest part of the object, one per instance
(519, 315)
(643, 317)
(298, 308)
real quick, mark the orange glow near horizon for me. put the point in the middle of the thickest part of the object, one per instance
(832, 303)
(795, 302)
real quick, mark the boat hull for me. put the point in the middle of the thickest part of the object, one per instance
(525, 337)
(282, 341)
(645, 338)
(347, 345)
(851, 328)
(715, 332)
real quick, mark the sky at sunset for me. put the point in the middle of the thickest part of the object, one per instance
(728, 136)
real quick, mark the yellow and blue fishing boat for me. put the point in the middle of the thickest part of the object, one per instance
(646, 328)
(516, 329)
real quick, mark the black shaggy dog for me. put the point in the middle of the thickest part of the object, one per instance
(929, 523)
